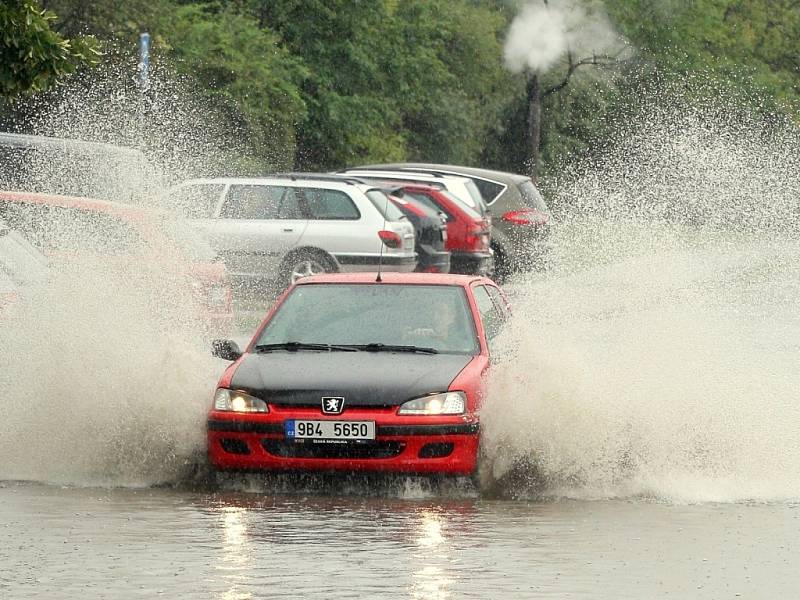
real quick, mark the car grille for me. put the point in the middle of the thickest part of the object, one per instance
(307, 450)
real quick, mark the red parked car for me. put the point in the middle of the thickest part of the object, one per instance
(347, 372)
(65, 226)
(468, 233)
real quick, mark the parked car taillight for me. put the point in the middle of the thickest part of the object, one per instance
(390, 238)
(525, 217)
(478, 237)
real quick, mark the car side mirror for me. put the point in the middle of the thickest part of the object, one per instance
(225, 349)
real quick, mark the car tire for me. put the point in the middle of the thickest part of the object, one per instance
(500, 271)
(304, 264)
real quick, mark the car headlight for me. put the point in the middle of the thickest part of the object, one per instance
(447, 403)
(236, 401)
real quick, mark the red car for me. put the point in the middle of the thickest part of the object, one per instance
(468, 233)
(351, 373)
(65, 226)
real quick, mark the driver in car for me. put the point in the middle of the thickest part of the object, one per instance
(439, 329)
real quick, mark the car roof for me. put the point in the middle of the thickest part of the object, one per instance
(392, 277)
(19, 140)
(407, 174)
(119, 209)
(314, 180)
(456, 170)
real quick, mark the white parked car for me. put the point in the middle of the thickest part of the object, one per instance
(291, 226)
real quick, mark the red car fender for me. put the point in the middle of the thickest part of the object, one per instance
(471, 380)
(225, 380)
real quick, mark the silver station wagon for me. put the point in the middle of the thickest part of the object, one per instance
(287, 227)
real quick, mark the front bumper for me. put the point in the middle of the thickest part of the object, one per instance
(432, 260)
(447, 445)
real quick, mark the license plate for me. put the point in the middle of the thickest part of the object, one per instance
(329, 430)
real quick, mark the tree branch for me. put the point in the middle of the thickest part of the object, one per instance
(598, 60)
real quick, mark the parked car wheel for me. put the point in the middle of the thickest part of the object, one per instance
(304, 264)
(500, 272)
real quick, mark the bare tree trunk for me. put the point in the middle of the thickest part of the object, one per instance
(534, 125)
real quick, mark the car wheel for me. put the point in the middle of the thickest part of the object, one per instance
(500, 272)
(305, 264)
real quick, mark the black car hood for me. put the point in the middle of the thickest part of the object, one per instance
(363, 378)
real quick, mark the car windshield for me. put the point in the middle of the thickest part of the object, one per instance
(428, 316)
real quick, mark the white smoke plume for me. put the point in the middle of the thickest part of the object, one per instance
(543, 32)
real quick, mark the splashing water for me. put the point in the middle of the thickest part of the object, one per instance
(660, 357)
(106, 372)
(104, 383)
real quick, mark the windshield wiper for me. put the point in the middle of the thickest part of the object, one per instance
(295, 346)
(377, 347)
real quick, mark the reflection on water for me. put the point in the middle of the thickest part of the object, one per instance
(236, 552)
(430, 578)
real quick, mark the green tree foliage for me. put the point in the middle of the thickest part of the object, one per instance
(391, 80)
(33, 57)
(245, 72)
(320, 84)
(746, 48)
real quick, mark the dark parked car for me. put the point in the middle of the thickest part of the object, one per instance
(430, 228)
(521, 220)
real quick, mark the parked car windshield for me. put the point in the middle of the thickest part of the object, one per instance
(430, 316)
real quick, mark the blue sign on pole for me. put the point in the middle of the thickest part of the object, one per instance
(144, 59)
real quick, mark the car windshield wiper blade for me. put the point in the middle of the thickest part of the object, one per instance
(377, 347)
(295, 346)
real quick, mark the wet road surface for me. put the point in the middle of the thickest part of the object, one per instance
(69, 542)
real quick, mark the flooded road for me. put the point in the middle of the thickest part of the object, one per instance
(98, 543)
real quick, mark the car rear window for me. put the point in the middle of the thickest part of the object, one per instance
(476, 195)
(436, 316)
(388, 210)
(490, 190)
(531, 196)
(331, 205)
(260, 202)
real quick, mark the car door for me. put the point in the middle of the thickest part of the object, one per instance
(256, 225)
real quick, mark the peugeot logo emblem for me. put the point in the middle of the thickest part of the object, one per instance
(332, 405)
